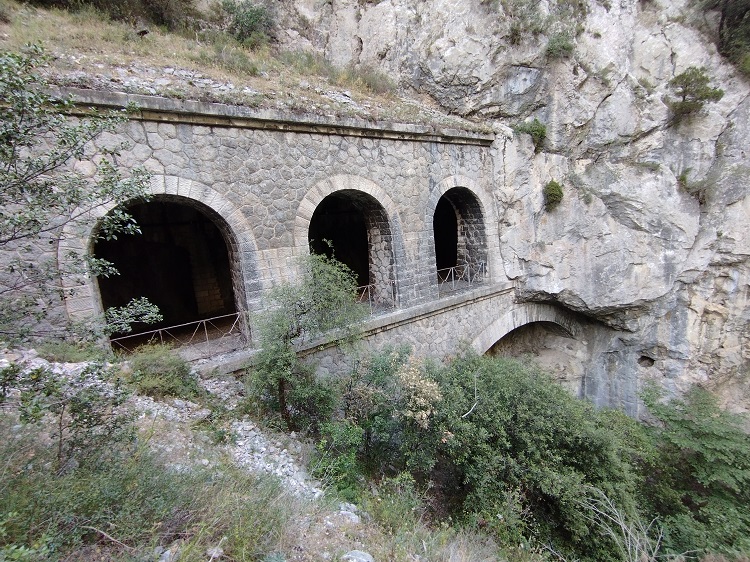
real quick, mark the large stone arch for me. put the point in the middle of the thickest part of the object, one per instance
(82, 299)
(521, 315)
(344, 183)
(487, 209)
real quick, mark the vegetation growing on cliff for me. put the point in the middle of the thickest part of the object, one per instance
(733, 30)
(693, 91)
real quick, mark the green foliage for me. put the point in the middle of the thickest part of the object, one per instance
(39, 192)
(336, 458)
(560, 46)
(524, 450)
(85, 411)
(553, 194)
(700, 479)
(226, 52)
(396, 503)
(64, 351)
(120, 319)
(526, 18)
(251, 24)
(693, 91)
(734, 30)
(323, 300)
(158, 371)
(536, 129)
(393, 400)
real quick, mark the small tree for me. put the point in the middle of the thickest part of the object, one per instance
(693, 91)
(322, 300)
(40, 192)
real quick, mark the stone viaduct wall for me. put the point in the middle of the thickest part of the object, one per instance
(260, 178)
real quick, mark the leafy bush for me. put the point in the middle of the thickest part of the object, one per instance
(85, 411)
(700, 478)
(62, 351)
(251, 24)
(137, 502)
(396, 503)
(693, 91)
(553, 194)
(223, 50)
(537, 130)
(322, 301)
(560, 46)
(158, 371)
(336, 460)
(523, 451)
(373, 80)
(39, 193)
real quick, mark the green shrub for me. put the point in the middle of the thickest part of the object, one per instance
(521, 446)
(336, 460)
(396, 503)
(699, 482)
(251, 24)
(85, 411)
(553, 194)
(322, 301)
(560, 46)
(693, 91)
(61, 351)
(230, 56)
(137, 501)
(536, 129)
(733, 31)
(372, 79)
(158, 371)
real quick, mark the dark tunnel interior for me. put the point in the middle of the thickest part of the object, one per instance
(445, 227)
(338, 228)
(180, 262)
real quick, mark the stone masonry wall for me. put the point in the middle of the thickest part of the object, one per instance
(265, 182)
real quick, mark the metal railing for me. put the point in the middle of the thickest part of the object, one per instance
(378, 296)
(460, 276)
(206, 337)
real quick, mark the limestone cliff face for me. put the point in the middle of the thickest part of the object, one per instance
(663, 277)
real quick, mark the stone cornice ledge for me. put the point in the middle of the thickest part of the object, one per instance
(166, 110)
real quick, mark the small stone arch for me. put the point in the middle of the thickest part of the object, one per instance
(487, 210)
(82, 300)
(521, 315)
(349, 183)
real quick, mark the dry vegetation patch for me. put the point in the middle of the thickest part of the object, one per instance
(91, 51)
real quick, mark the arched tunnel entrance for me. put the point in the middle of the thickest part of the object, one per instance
(353, 227)
(552, 347)
(460, 240)
(180, 262)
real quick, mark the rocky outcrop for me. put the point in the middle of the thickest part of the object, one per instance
(651, 238)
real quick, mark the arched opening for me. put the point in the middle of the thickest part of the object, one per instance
(460, 240)
(181, 261)
(551, 346)
(353, 227)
